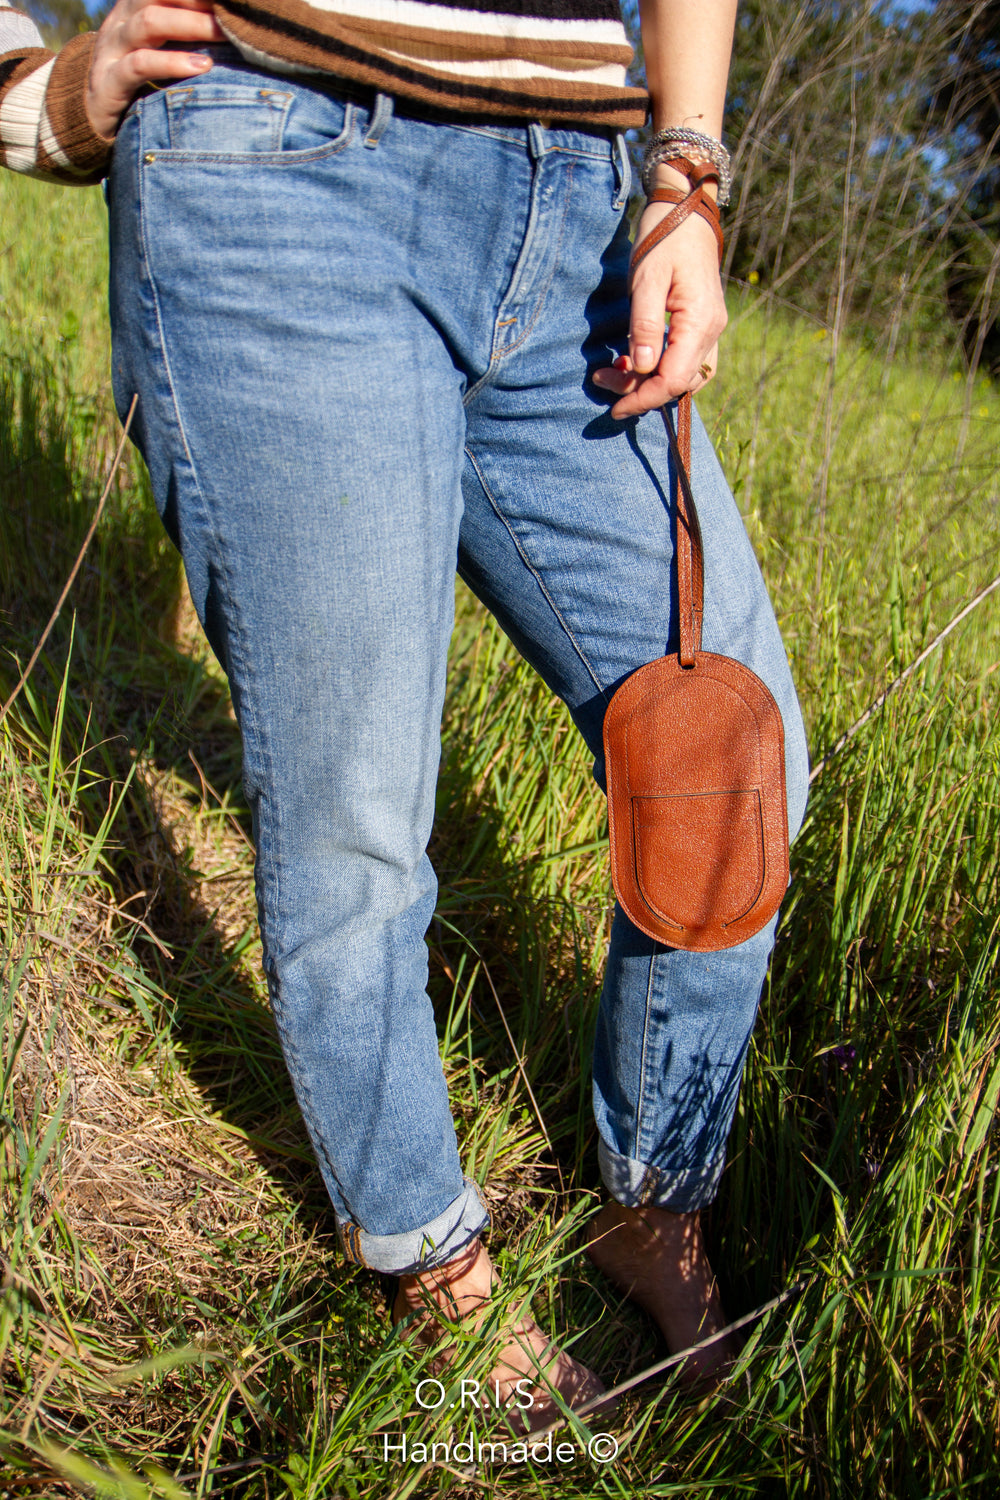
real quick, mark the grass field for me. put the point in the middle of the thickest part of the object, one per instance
(176, 1318)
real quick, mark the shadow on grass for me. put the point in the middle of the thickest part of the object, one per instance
(133, 694)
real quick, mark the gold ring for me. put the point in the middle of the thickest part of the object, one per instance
(705, 370)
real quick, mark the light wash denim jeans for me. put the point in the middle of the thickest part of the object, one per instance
(361, 341)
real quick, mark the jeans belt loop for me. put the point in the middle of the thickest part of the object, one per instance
(381, 115)
(537, 143)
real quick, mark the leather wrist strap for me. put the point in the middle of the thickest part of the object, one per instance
(690, 557)
(697, 201)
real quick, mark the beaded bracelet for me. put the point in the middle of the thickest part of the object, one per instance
(668, 144)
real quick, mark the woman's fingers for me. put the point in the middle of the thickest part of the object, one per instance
(680, 279)
(694, 332)
(126, 53)
(621, 379)
(155, 23)
(148, 64)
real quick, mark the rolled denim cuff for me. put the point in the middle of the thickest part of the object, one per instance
(634, 1183)
(418, 1249)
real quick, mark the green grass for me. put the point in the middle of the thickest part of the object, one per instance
(176, 1318)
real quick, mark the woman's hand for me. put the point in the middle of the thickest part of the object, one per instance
(687, 45)
(127, 55)
(679, 277)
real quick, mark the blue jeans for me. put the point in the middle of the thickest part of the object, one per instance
(361, 342)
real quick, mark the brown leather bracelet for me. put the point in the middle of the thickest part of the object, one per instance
(697, 201)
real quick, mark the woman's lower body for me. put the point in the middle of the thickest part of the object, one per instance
(361, 342)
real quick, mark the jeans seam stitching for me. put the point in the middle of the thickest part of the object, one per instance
(495, 358)
(206, 516)
(303, 1095)
(535, 573)
(641, 1099)
(488, 134)
(235, 630)
(572, 151)
(491, 133)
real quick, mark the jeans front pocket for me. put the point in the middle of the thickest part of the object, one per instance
(227, 119)
(236, 114)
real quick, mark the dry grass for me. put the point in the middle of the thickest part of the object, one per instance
(171, 1223)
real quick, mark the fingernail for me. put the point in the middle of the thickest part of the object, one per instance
(598, 377)
(199, 62)
(642, 354)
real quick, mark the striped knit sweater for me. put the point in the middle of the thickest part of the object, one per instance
(44, 128)
(560, 61)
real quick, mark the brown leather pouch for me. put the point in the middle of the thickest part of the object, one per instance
(694, 746)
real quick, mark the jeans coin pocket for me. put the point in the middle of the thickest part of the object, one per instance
(228, 120)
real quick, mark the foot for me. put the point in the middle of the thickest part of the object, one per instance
(528, 1362)
(658, 1259)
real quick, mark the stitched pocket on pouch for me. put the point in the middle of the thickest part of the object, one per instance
(680, 833)
(227, 120)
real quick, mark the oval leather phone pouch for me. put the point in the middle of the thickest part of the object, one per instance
(695, 753)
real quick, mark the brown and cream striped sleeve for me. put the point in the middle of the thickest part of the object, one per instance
(44, 130)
